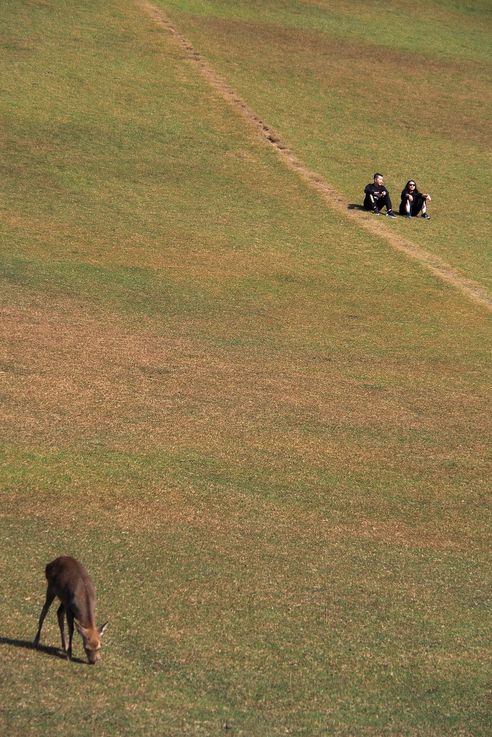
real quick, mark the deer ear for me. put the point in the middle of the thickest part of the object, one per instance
(81, 630)
(102, 629)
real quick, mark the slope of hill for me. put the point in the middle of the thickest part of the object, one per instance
(262, 430)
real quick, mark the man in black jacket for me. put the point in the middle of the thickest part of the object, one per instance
(377, 197)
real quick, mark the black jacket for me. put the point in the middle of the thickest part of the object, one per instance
(375, 190)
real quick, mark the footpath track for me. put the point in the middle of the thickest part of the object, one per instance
(334, 199)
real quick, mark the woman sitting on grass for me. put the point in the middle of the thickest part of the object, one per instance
(413, 201)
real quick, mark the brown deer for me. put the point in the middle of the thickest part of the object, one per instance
(70, 582)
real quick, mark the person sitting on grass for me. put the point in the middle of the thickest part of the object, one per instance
(377, 197)
(413, 201)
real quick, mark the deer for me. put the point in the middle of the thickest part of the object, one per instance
(69, 581)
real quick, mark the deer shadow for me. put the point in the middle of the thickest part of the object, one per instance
(54, 652)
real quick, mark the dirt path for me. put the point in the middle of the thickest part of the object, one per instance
(335, 200)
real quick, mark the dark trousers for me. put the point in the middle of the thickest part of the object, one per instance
(378, 203)
(415, 206)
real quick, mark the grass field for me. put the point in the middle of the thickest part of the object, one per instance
(263, 430)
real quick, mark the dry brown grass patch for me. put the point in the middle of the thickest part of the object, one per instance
(71, 372)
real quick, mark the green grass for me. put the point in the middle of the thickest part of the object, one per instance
(453, 29)
(355, 89)
(263, 431)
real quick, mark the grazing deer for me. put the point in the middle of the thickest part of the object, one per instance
(70, 582)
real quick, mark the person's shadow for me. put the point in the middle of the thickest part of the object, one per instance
(355, 206)
(55, 652)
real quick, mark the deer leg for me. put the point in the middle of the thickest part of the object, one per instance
(70, 619)
(50, 595)
(61, 624)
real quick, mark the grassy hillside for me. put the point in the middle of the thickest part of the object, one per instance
(264, 432)
(355, 88)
